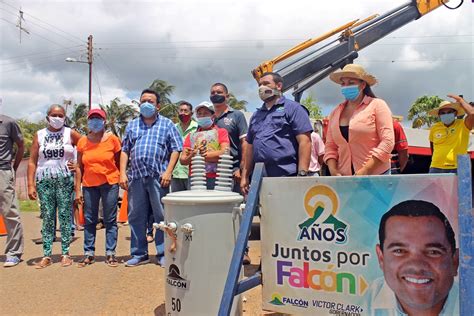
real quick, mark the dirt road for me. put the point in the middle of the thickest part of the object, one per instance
(96, 289)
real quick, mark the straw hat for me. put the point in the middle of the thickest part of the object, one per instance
(353, 71)
(448, 105)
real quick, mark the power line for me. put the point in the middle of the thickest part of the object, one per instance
(51, 25)
(42, 52)
(113, 73)
(98, 85)
(34, 59)
(413, 60)
(33, 65)
(40, 26)
(148, 47)
(262, 40)
(37, 35)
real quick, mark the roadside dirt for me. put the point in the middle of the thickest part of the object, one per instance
(96, 289)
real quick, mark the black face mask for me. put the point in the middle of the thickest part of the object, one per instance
(217, 98)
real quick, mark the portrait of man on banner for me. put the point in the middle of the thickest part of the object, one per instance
(419, 259)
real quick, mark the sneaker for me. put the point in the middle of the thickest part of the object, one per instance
(246, 260)
(160, 260)
(11, 262)
(136, 261)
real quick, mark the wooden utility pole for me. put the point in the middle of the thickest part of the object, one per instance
(89, 61)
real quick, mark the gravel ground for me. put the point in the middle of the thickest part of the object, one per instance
(96, 289)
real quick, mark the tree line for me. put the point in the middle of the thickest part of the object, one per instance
(118, 114)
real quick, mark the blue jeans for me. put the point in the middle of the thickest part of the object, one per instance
(144, 196)
(92, 195)
(439, 170)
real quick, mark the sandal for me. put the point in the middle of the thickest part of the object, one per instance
(87, 260)
(111, 261)
(66, 261)
(45, 261)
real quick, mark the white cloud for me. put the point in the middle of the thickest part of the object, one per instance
(192, 44)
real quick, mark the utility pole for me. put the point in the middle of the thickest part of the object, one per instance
(89, 61)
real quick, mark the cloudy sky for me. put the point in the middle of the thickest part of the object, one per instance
(191, 44)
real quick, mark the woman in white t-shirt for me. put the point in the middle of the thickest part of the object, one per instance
(50, 178)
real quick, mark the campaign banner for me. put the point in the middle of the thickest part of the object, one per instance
(379, 245)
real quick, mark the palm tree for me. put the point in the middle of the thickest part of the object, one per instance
(78, 118)
(28, 129)
(118, 116)
(164, 90)
(418, 111)
(236, 104)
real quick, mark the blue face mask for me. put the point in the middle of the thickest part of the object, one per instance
(95, 125)
(147, 109)
(447, 118)
(350, 92)
(204, 122)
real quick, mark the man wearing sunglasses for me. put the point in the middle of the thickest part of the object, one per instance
(450, 137)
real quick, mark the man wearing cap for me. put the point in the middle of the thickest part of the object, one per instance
(235, 124)
(209, 141)
(152, 144)
(450, 136)
(185, 126)
(279, 134)
(10, 133)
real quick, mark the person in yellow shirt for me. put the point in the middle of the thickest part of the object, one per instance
(450, 136)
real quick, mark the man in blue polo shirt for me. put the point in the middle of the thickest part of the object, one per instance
(279, 134)
(235, 124)
(152, 143)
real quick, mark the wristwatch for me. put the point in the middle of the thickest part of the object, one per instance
(302, 173)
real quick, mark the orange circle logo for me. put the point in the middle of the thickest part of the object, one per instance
(321, 196)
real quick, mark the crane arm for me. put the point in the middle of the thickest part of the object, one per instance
(356, 35)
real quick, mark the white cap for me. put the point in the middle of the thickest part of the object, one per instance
(205, 104)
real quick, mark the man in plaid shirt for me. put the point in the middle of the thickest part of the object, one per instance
(152, 145)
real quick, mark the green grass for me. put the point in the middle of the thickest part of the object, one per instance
(29, 206)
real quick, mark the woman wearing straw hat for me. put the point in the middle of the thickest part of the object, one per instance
(450, 136)
(360, 132)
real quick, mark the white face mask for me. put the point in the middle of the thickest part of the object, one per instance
(56, 122)
(266, 93)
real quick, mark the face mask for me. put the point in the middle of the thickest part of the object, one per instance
(56, 122)
(350, 92)
(217, 99)
(204, 122)
(147, 109)
(447, 118)
(95, 125)
(266, 93)
(184, 118)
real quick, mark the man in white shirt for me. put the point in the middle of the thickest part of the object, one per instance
(418, 256)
